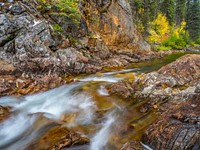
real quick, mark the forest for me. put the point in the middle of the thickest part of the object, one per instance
(173, 24)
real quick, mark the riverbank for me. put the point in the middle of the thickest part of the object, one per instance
(172, 93)
(14, 82)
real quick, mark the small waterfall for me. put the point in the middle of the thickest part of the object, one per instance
(102, 91)
(101, 138)
(122, 71)
(18, 130)
(14, 128)
(101, 79)
(146, 147)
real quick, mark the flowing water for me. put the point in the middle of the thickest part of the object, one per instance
(84, 106)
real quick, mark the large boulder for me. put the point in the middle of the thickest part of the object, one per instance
(58, 138)
(185, 70)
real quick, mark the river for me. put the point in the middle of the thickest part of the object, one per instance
(84, 106)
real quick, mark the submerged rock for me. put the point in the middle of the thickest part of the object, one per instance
(58, 138)
(4, 113)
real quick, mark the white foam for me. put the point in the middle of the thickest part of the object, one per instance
(101, 138)
(102, 91)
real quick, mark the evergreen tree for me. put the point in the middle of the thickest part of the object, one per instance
(145, 11)
(167, 8)
(150, 13)
(180, 10)
(193, 18)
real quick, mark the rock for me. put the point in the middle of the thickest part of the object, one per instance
(178, 128)
(58, 138)
(121, 89)
(7, 84)
(133, 145)
(27, 84)
(113, 21)
(29, 44)
(6, 68)
(185, 69)
(173, 92)
(4, 113)
(193, 49)
(65, 44)
(197, 90)
(17, 9)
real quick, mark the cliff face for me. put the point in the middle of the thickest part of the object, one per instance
(112, 20)
(105, 37)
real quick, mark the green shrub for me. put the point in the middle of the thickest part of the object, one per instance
(69, 9)
(66, 8)
(176, 42)
(57, 27)
(162, 48)
(198, 41)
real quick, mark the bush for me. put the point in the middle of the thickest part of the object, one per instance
(57, 27)
(175, 42)
(159, 29)
(198, 41)
(66, 8)
(162, 48)
(178, 39)
(69, 8)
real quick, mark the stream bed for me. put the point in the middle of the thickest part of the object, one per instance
(84, 106)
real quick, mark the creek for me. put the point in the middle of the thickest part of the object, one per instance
(84, 106)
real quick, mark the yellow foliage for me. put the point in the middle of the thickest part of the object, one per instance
(179, 30)
(159, 30)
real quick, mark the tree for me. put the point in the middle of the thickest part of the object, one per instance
(144, 11)
(180, 11)
(160, 29)
(193, 18)
(167, 8)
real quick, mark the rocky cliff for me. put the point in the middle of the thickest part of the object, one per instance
(112, 20)
(32, 47)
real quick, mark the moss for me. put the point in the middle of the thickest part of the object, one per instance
(57, 28)
(163, 48)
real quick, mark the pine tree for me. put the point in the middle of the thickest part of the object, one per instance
(180, 10)
(193, 18)
(167, 8)
(145, 11)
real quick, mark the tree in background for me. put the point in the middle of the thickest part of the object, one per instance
(193, 19)
(167, 8)
(144, 11)
(180, 15)
(180, 11)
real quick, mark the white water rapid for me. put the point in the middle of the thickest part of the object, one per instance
(33, 115)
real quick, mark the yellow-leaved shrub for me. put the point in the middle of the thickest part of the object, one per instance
(159, 29)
